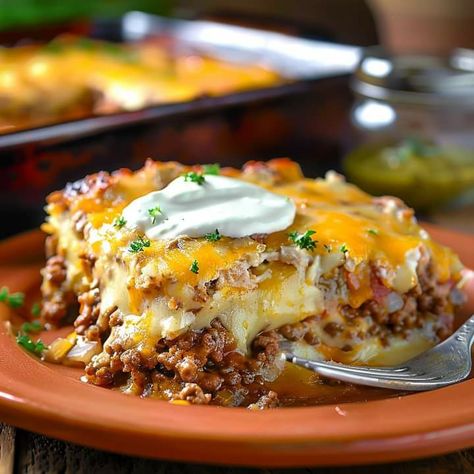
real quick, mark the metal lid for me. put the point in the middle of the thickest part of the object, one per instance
(415, 79)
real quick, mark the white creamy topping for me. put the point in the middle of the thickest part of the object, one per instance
(234, 207)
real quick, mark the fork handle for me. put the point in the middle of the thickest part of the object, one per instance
(465, 333)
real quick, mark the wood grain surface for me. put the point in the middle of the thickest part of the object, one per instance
(29, 453)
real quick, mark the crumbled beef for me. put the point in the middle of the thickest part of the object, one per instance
(115, 318)
(260, 238)
(304, 330)
(56, 296)
(79, 220)
(96, 183)
(270, 400)
(266, 347)
(88, 311)
(51, 246)
(55, 271)
(53, 310)
(102, 376)
(428, 299)
(293, 332)
(194, 365)
(193, 393)
(238, 276)
(333, 329)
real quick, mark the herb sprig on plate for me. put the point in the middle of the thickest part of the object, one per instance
(14, 300)
(23, 337)
(31, 346)
(36, 309)
(31, 326)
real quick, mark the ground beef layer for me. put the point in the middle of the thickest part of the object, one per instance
(204, 367)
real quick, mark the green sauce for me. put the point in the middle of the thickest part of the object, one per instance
(423, 175)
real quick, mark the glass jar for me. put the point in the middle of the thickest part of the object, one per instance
(413, 123)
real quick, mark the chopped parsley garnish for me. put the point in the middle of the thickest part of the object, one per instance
(343, 248)
(139, 245)
(14, 300)
(303, 241)
(328, 248)
(119, 222)
(36, 309)
(213, 169)
(154, 212)
(194, 177)
(194, 267)
(213, 236)
(33, 326)
(373, 231)
(34, 347)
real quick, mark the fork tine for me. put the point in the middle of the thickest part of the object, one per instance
(447, 363)
(376, 371)
(373, 371)
(391, 383)
(397, 370)
(360, 371)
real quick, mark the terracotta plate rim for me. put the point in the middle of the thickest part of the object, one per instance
(38, 397)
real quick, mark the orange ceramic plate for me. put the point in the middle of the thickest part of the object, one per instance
(51, 400)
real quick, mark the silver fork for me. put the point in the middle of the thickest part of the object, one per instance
(447, 363)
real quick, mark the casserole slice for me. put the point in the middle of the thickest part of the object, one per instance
(197, 318)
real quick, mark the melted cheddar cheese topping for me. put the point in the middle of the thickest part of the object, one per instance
(71, 71)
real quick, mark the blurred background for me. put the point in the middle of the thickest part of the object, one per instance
(380, 90)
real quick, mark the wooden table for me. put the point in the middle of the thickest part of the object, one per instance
(24, 452)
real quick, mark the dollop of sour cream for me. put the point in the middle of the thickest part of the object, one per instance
(233, 207)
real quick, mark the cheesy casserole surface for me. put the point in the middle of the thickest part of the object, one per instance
(73, 77)
(353, 279)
